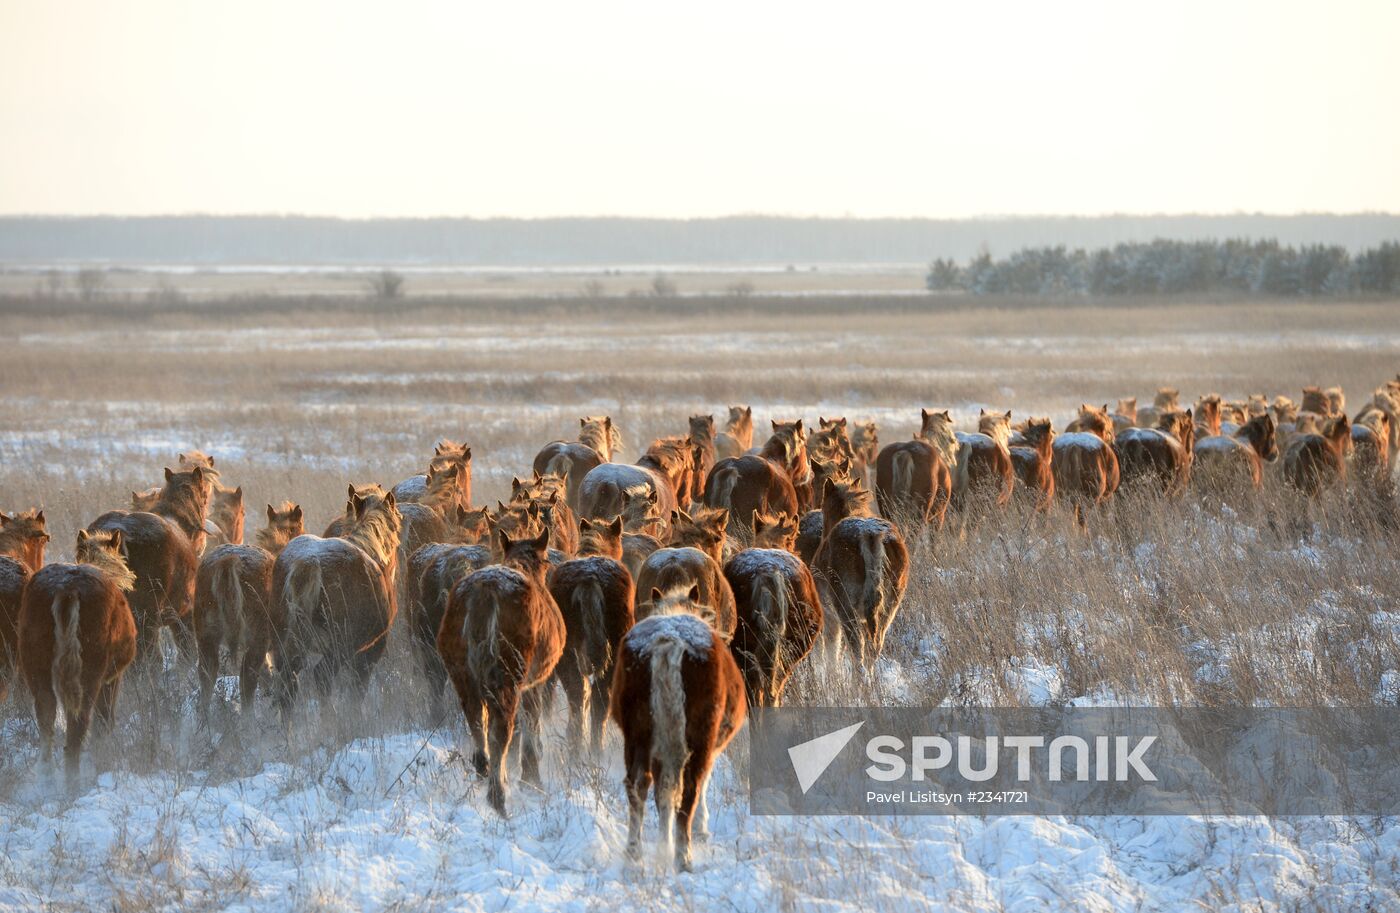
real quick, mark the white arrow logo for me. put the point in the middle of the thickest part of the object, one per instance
(811, 759)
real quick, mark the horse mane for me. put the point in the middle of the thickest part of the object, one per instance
(376, 528)
(102, 550)
(997, 426)
(598, 432)
(281, 530)
(185, 498)
(17, 533)
(936, 430)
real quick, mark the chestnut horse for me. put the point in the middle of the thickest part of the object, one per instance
(779, 615)
(678, 698)
(501, 637)
(669, 568)
(77, 636)
(334, 598)
(765, 482)
(1033, 459)
(597, 443)
(1230, 463)
(23, 539)
(984, 475)
(595, 596)
(702, 437)
(233, 602)
(737, 437)
(664, 469)
(1314, 461)
(160, 548)
(861, 569)
(1084, 463)
(912, 484)
(1158, 458)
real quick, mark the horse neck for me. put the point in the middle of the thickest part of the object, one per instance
(834, 515)
(113, 566)
(182, 507)
(440, 495)
(377, 537)
(14, 544)
(599, 440)
(273, 539)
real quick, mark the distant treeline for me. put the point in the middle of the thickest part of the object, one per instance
(1177, 267)
(737, 240)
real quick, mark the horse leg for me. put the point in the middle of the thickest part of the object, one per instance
(500, 718)
(208, 662)
(73, 745)
(45, 712)
(532, 713)
(254, 658)
(638, 760)
(107, 704)
(577, 692)
(599, 711)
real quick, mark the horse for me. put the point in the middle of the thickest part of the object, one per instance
(779, 615)
(1125, 415)
(984, 473)
(501, 637)
(23, 540)
(226, 514)
(597, 444)
(1370, 456)
(669, 568)
(1084, 462)
(1382, 416)
(861, 569)
(702, 436)
(595, 595)
(664, 469)
(865, 445)
(1314, 461)
(452, 465)
(1209, 415)
(1158, 457)
(335, 598)
(77, 636)
(1166, 399)
(1032, 458)
(737, 437)
(678, 698)
(233, 601)
(912, 484)
(765, 482)
(779, 531)
(1223, 463)
(642, 525)
(161, 546)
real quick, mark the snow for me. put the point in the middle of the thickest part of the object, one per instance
(752, 561)
(351, 834)
(692, 631)
(1078, 439)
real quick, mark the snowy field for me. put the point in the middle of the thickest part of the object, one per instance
(1258, 604)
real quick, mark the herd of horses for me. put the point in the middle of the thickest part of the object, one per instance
(668, 595)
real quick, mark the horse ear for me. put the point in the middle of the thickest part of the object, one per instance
(655, 594)
(981, 412)
(616, 526)
(694, 594)
(534, 509)
(775, 425)
(500, 508)
(505, 540)
(238, 493)
(390, 500)
(924, 414)
(607, 422)
(651, 495)
(721, 519)
(583, 423)
(537, 475)
(799, 426)
(296, 512)
(757, 521)
(352, 489)
(1008, 415)
(947, 415)
(83, 535)
(198, 474)
(467, 454)
(541, 542)
(271, 514)
(168, 474)
(116, 540)
(514, 484)
(583, 525)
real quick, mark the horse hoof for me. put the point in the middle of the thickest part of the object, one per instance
(496, 796)
(479, 763)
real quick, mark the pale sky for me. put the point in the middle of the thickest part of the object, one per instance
(934, 109)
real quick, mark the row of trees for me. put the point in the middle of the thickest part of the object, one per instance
(1176, 267)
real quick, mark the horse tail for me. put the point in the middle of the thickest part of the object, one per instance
(588, 606)
(226, 587)
(301, 592)
(67, 670)
(872, 598)
(722, 492)
(668, 724)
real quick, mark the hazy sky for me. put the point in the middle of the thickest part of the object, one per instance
(939, 109)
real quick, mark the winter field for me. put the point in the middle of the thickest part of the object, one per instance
(1264, 602)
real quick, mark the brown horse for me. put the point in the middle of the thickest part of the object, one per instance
(233, 602)
(451, 465)
(335, 598)
(705, 531)
(737, 437)
(597, 443)
(227, 516)
(678, 698)
(1158, 459)
(1223, 464)
(861, 569)
(765, 482)
(1033, 459)
(984, 475)
(1084, 463)
(500, 640)
(160, 548)
(669, 568)
(1316, 401)
(77, 636)
(595, 596)
(1382, 416)
(664, 469)
(702, 437)
(912, 484)
(1313, 462)
(23, 539)
(1209, 414)
(433, 572)
(642, 525)
(865, 443)
(1125, 415)
(779, 618)
(1166, 399)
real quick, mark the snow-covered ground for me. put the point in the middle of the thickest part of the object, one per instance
(396, 822)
